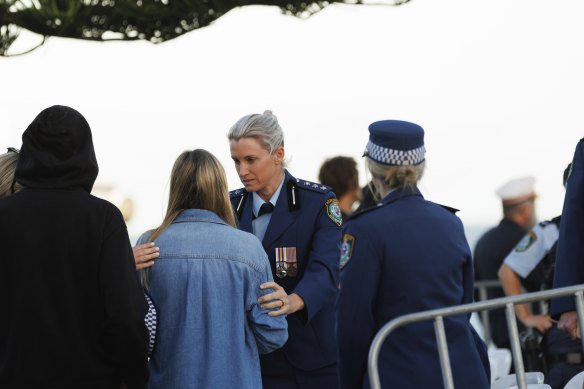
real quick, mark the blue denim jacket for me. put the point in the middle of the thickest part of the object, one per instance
(205, 286)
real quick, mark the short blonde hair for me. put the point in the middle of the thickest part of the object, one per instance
(7, 167)
(396, 176)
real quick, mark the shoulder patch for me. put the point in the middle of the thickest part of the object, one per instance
(312, 186)
(333, 210)
(346, 249)
(236, 193)
(526, 242)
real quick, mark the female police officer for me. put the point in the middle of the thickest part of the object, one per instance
(298, 223)
(402, 256)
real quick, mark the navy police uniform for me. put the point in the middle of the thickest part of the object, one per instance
(570, 255)
(495, 244)
(489, 253)
(405, 255)
(306, 217)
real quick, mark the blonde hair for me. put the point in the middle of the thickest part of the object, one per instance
(393, 177)
(197, 181)
(7, 167)
(265, 128)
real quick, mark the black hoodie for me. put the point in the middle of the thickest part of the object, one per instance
(71, 306)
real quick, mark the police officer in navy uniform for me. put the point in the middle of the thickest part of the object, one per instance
(405, 255)
(518, 202)
(570, 255)
(299, 225)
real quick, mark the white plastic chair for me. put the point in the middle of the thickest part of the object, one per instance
(475, 321)
(533, 386)
(577, 382)
(510, 381)
(500, 360)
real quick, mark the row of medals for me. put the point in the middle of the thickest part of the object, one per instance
(286, 263)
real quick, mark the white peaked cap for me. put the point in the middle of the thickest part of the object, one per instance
(517, 191)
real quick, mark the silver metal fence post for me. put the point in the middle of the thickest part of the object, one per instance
(485, 316)
(443, 353)
(580, 311)
(515, 346)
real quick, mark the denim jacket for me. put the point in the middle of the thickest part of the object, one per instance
(205, 287)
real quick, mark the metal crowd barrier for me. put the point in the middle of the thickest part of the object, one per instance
(482, 287)
(438, 315)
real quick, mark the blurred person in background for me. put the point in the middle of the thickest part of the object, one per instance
(7, 167)
(531, 266)
(518, 202)
(341, 175)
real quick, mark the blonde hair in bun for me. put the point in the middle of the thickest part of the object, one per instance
(265, 128)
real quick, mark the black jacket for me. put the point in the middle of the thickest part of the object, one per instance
(71, 306)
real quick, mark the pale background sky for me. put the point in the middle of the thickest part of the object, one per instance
(497, 85)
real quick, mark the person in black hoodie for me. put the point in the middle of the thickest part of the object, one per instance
(71, 306)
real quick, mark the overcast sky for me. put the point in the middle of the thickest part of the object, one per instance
(497, 85)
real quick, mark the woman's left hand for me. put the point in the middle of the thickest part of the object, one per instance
(285, 304)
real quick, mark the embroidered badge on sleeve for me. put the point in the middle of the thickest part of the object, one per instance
(346, 249)
(526, 242)
(334, 211)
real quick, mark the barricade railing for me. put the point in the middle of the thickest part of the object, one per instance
(482, 287)
(438, 314)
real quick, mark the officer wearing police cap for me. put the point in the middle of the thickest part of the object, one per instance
(518, 202)
(405, 255)
(298, 223)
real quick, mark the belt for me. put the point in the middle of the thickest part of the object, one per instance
(575, 358)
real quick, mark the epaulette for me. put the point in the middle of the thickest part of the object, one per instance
(236, 193)
(312, 186)
(556, 220)
(355, 215)
(449, 209)
(242, 194)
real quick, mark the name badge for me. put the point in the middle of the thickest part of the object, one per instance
(286, 262)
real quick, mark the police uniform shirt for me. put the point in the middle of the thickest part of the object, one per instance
(260, 224)
(532, 249)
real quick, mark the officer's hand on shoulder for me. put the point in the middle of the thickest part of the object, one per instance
(145, 254)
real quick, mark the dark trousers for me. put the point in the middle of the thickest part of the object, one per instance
(282, 375)
(559, 348)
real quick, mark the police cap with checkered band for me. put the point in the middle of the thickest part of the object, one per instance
(395, 143)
